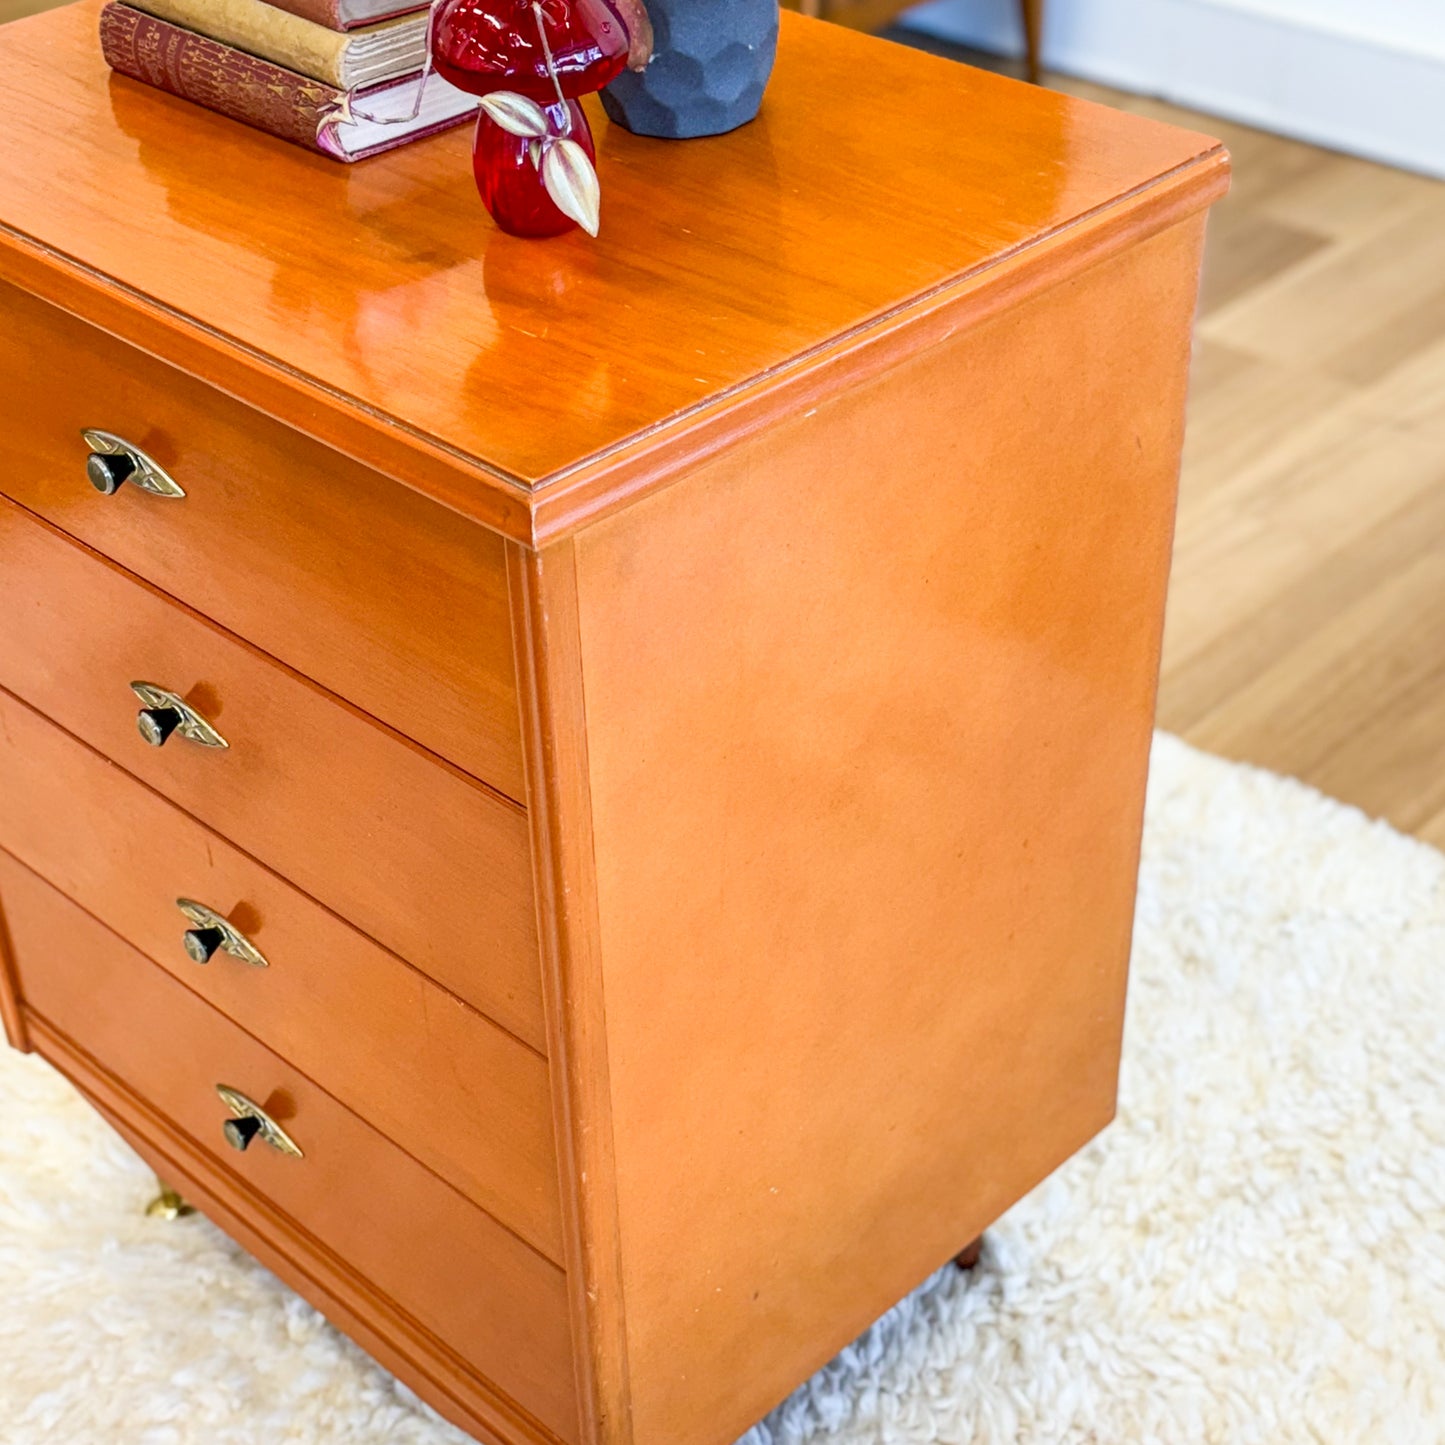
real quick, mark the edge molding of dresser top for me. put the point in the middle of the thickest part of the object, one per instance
(687, 699)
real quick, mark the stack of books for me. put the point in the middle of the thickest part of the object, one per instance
(338, 76)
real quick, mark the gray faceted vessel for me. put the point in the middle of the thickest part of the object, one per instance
(709, 69)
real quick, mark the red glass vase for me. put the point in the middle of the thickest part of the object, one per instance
(549, 51)
(509, 182)
(482, 46)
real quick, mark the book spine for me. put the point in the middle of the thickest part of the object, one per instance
(262, 29)
(216, 76)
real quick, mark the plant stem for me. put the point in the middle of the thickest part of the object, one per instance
(551, 63)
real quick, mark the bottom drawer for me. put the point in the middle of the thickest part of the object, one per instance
(432, 1255)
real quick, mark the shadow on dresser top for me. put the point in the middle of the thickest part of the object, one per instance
(884, 199)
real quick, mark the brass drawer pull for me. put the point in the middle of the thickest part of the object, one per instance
(211, 934)
(251, 1122)
(113, 461)
(165, 713)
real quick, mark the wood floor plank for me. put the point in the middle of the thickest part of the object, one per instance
(1360, 666)
(1383, 350)
(1250, 417)
(1391, 765)
(1412, 395)
(1345, 197)
(1195, 685)
(1246, 248)
(1256, 534)
(1214, 366)
(1350, 295)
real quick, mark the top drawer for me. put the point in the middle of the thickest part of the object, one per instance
(371, 590)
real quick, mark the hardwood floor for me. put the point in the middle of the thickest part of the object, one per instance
(1307, 619)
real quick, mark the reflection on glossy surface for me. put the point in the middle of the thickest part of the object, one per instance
(721, 260)
(524, 281)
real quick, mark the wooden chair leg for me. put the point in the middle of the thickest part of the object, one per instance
(1033, 13)
(968, 1256)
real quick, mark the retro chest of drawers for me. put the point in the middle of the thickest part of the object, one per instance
(583, 800)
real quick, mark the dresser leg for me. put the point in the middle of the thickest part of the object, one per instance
(167, 1205)
(967, 1257)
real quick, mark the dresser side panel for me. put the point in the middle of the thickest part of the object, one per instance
(867, 759)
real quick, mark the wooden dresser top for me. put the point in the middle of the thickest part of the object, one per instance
(525, 383)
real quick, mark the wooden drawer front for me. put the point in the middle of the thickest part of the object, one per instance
(434, 866)
(442, 1081)
(384, 597)
(452, 1268)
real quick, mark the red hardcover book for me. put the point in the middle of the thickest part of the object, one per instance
(271, 98)
(348, 14)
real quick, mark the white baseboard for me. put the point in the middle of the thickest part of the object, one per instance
(1367, 79)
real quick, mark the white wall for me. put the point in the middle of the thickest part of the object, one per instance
(1366, 76)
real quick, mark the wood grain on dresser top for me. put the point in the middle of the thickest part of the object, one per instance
(451, 1268)
(453, 1089)
(414, 854)
(376, 307)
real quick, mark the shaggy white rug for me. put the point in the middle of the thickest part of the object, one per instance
(1254, 1252)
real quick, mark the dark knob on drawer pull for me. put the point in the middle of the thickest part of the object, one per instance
(107, 473)
(249, 1121)
(156, 724)
(113, 460)
(240, 1132)
(164, 712)
(211, 933)
(201, 944)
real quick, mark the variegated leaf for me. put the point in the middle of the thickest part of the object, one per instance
(571, 181)
(516, 114)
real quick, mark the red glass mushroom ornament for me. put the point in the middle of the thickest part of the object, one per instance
(530, 61)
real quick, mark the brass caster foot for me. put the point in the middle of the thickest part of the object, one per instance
(168, 1205)
(967, 1257)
